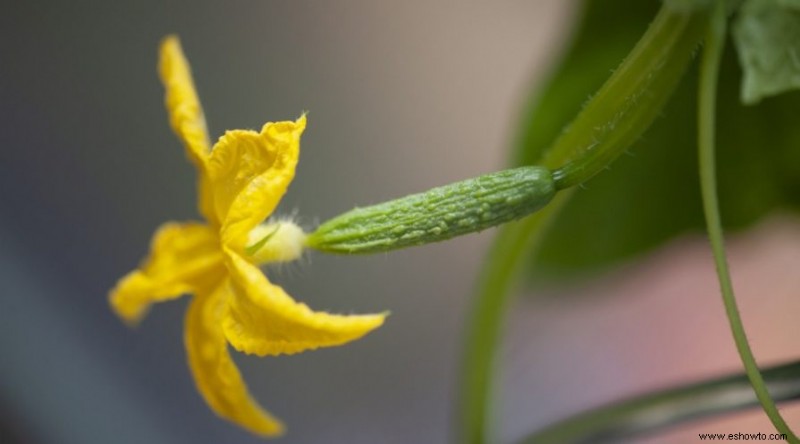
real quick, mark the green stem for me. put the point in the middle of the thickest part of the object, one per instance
(630, 100)
(621, 421)
(615, 118)
(709, 73)
(512, 244)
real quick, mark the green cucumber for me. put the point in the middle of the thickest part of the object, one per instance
(438, 214)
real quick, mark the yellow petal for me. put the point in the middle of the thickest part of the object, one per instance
(215, 373)
(264, 320)
(250, 173)
(186, 116)
(182, 258)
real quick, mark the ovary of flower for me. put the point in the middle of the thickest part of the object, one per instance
(241, 180)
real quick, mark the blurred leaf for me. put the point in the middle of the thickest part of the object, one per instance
(653, 194)
(689, 5)
(649, 413)
(767, 34)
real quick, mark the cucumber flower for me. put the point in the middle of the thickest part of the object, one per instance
(241, 181)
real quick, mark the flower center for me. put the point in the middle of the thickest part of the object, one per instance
(279, 241)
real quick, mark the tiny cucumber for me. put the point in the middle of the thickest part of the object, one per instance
(437, 214)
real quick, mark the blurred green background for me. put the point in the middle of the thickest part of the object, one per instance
(402, 97)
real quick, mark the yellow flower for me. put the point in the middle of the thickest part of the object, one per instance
(241, 181)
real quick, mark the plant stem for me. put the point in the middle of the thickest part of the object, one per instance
(511, 245)
(615, 118)
(707, 94)
(630, 100)
(655, 411)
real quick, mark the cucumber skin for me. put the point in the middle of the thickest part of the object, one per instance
(438, 214)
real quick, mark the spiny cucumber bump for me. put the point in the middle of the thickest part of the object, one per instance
(438, 214)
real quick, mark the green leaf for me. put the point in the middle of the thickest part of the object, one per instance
(652, 195)
(689, 5)
(621, 421)
(767, 35)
